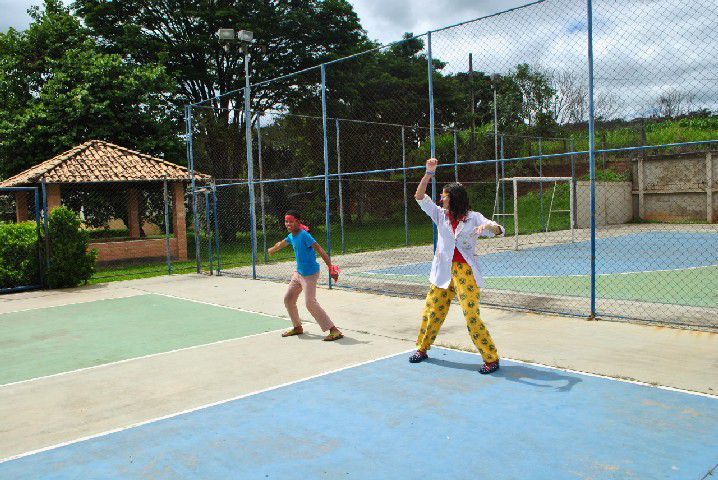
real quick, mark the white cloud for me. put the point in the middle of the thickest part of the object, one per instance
(14, 14)
(387, 21)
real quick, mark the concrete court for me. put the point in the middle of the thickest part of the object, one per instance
(389, 420)
(67, 407)
(678, 358)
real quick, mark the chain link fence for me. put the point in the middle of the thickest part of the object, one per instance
(620, 226)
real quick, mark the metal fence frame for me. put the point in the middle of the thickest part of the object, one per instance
(498, 162)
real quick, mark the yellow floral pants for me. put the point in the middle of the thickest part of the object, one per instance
(438, 301)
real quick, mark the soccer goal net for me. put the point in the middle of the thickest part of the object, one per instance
(536, 209)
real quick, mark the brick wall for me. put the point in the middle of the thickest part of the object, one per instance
(129, 249)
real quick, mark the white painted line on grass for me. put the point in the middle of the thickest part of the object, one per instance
(194, 409)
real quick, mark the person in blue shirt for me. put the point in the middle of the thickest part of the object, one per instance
(305, 277)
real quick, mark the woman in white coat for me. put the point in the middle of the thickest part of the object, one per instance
(454, 270)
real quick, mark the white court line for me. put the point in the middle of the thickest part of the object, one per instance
(597, 375)
(413, 275)
(158, 353)
(126, 360)
(239, 309)
(238, 397)
(79, 302)
(194, 409)
(146, 292)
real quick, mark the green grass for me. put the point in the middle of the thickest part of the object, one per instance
(372, 235)
(657, 133)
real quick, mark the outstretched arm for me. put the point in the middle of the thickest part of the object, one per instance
(488, 228)
(430, 170)
(277, 247)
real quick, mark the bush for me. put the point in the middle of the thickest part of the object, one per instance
(19, 264)
(70, 262)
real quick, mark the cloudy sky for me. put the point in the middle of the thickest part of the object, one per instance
(643, 48)
(384, 20)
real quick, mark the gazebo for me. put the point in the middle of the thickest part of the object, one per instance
(99, 166)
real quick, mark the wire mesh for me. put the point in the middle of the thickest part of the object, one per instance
(507, 98)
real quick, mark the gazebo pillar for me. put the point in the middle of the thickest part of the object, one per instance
(178, 221)
(53, 197)
(21, 210)
(133, 212)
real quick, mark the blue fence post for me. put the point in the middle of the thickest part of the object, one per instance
(38, 219)
(46, 227)
(208, 229)
(326, 165)
(166, 197)
(190, 165)
(406, 196)
(341, 191)
(432, 141)
(591, 157)
(250, 165)
(216, 228)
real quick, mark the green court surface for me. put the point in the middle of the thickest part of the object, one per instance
(47, 341)
(679, 287)
(697, 287)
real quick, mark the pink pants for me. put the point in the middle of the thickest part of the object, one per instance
(309, 285)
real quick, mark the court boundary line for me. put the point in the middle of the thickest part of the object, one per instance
(239, 309)
(590, 374)
(195, 409)
(486, 277)
(72, 303)
(329, 372)
(126, 360)
(141, 293)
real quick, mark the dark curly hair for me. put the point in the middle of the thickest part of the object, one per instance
(458, 200)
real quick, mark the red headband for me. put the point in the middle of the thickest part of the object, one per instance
(295, 219)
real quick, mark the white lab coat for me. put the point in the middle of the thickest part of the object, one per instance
(464, 239)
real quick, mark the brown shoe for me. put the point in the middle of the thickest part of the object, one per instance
(333, 336)
(293, 331)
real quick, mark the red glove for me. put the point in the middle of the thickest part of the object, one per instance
(334, 272)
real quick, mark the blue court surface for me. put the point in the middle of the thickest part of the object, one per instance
(390, 419)
(641, 252)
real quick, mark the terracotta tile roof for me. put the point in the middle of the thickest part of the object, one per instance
(100, 161)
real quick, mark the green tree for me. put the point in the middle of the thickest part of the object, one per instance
(537, 96)
(57, 90)
(181, 36)
(70, 264)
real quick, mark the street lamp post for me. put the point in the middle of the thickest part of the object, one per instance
(246, 38)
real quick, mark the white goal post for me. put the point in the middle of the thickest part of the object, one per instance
(515, 181)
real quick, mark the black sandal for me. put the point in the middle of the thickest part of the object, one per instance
(418, 356)
(487, 368)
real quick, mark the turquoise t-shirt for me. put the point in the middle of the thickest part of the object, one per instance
(306, 257)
